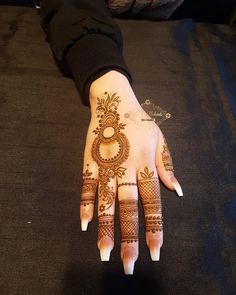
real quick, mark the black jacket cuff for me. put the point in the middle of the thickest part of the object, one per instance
(91, 57)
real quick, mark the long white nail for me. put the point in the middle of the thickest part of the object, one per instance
(129, 266)
(155, 254)
(105, 254)
(84, 224)
(177, 186)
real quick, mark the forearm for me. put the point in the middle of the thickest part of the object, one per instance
(85, 40)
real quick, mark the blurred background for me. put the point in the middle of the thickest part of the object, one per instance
(211, 11)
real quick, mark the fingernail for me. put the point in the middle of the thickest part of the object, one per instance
(155, 254)
(129, 266)
(105, 254)
(84, 224)
(177, 186)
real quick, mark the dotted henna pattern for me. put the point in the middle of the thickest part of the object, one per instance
(127, 184)
(106, 226)
(109, 134)
(89, 188)
(154, 223)
(150, 195)
(129, 221)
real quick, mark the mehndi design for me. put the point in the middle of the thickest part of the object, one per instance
(106, 226)
(89, 188)
(127, 184)
(150, 195)
(109, 135)
(129, 220)
(166, 157)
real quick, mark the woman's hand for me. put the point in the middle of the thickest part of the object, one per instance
(124, 157)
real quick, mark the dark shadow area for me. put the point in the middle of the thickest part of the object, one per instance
(79, 281)
(209, 11)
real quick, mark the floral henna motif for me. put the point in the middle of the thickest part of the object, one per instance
(166, 157)
(150, 195)
(109, 135)
(89, 188)
(129, 221)
(106, 226)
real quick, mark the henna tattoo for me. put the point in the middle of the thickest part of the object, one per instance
(102, 208)
(166, 157)
(154, 223)
(150, 195)
(89, 188)
(127, 183)
(109, 135)
(87, 174)
(129, 221)
(106, 226)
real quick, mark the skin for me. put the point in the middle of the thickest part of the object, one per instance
(122, 162)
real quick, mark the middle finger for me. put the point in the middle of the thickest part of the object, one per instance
(128, 204)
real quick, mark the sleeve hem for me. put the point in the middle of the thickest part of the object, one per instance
(91, 57)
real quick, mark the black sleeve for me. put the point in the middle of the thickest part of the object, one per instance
(85, 40)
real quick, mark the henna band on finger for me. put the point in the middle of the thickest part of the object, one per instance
(127, 184)
(89, 188)
(106, 226)
(150, 195)
(154, 223)
(129, 221)
(166, 157)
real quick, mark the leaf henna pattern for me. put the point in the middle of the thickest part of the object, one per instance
(109, 134)
(147, 174)
(150, 195)
(166, 157)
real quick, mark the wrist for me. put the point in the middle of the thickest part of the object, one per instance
(113, 82)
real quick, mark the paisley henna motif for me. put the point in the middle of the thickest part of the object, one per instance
(89, 188)
(129, 221)
(166, 157)
(150, 195)
(109, 136)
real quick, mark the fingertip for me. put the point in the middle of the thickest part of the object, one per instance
(84, 224)
(105, 254)
(85, 218)
(154, 247)
(105, 246)
(128, 264)
(129, 255)
(155, 254)
(177, 186)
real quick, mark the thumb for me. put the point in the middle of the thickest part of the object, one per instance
(164, 166)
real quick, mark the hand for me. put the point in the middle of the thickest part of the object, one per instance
(124, 157)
